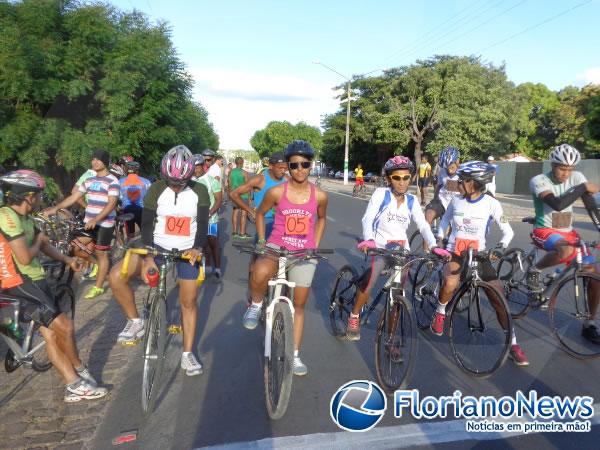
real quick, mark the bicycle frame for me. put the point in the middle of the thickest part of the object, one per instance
(18, 350)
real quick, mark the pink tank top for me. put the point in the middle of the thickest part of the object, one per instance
(294, 226)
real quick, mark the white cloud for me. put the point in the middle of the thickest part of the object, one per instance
(239, 103)
(591, 75)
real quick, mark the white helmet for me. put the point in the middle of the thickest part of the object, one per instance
(490, 158)
(565, 155)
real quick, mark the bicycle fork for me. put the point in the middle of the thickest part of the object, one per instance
(275, 289)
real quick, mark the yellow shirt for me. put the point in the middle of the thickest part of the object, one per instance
(358, 172)
(424, 170)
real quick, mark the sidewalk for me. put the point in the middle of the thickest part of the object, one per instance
(32, 411)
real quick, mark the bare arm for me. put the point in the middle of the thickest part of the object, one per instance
(321, 216)
(271, 198)
(254, 183)
(22, 252)
(81, 202)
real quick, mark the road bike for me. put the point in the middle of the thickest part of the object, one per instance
(26, 345)
(566, 294)
(154, 314)
(277, 318)
(359, 189)
(396, 341)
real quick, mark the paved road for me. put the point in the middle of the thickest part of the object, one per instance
(225, 405)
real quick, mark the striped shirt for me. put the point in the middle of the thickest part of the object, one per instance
(97, 190)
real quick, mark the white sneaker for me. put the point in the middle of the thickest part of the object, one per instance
(252, 316)
(133, 331)
(82, 390)
(300, 368)
(85, 375)
(190, 364)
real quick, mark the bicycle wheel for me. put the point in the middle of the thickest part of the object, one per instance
(569, 309)
(416, 244)
(10, 362)
(426, 290)
(154, 351)
(342, 299)
(395, 345)
(480, 335)
(512, 274)
(278, 369)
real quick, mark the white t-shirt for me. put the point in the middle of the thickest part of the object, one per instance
(470, 222)
(385, 221)
(215, 171)
(545, 216)
(448, 187)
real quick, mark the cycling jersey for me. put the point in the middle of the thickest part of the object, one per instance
(212, 186)
(359, 173)
(386, 222)
(98, 189)
(133, 190)
(545, 216)
(175, 220)
(13, 226)
(447, 187)
(470, 221)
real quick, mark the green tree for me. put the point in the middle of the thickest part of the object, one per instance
(278, 134)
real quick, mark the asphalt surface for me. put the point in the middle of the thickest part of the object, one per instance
(226, 404)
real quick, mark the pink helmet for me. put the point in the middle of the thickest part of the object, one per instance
(177, 166)
(398, 162)
(24, 180)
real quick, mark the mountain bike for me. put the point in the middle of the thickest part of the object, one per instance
(26, 345)
(278, 320)
(396, 341)
(566, 294)
(155, 316)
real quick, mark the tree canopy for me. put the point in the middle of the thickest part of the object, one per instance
(75, 76)
(277, 135)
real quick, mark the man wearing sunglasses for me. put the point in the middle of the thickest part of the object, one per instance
(300, 211)
(388, 216)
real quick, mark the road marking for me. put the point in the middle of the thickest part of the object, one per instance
(400, 436)
(331, 219)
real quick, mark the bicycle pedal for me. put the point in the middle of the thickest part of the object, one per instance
(130, 343)
(174, 329)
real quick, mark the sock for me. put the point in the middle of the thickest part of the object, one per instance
(513, 340)
(257, 303)
(75, 384)
(296, 354)
(355, 316)
(441, 308)
(137, 320)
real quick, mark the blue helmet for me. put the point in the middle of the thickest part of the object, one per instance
(476, 170)
(448, 156)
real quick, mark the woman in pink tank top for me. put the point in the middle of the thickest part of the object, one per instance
(300, 212)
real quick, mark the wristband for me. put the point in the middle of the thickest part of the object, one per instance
(262, 241)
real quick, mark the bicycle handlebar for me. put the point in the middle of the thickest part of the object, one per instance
(306, 253)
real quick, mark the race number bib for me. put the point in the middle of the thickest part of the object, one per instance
(561, 219)
(452, 185)
(177, 226)
(462, 245)
(296, 225)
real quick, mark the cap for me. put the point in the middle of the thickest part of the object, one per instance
(276, 157)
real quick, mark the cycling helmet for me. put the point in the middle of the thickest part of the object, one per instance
(116, 170)
(132, 166)
(398, 163)
(300, 148)
(209, 152)
(125, 159)
(478, 171)
(565, 155)
(198, 159)
(448, 156)
(23, 181)
(265, 161)
(177, 166)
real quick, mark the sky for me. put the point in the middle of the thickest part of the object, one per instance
(254, 62)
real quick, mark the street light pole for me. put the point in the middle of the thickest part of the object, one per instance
(347, 143)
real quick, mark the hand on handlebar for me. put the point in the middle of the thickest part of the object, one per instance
(442, 253)
(497, 253)
(364, 246)
(193, 254)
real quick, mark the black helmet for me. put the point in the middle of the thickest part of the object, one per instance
(301, 148)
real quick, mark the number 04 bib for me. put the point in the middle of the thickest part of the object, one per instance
(177, 226)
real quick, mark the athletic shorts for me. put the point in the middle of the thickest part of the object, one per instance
(137, 218)
(423, 182)
(360, 181)
(486, 270)
(38, 303)
(546, 239)
(213, 229)
(102, 237)
(185, 271)
(437, 206)
(370, 276)
(302, 272)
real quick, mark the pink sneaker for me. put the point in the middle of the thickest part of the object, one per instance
(353, 328)
(437, 323)
(518, 356)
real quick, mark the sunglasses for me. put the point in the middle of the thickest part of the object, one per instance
(297, 165)
(400, 177)
(207, 159)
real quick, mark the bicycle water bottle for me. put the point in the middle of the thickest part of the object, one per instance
(153, 278)
(13, 328)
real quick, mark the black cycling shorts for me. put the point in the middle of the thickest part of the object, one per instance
(38, 303)
(436, 206)
(102, 237)
(486, 270)
(137, 218)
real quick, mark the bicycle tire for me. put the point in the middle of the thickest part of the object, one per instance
(10, 362)
(279, 368)
(416, 243)
(154, 352)
(456, 318)
(342, 300)
(425, 294)
(512, 277)
(561, 309)
(400, 330)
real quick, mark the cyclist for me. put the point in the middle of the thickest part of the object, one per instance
(385, 221)
(424, 177)
(175, 199)
(103, 192)
(553, 196)
(214, 192)
(264, 165)
(133, 191)
(470, 215)
(306, 205)
(22, 276)
(238, 177)
(360, 180)
(447, 186)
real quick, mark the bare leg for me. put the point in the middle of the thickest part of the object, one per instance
(103, 265)
(120, 286)
(57, 357)
(188, 293)
(300, 299)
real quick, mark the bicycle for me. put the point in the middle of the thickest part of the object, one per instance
(565, 294)
(469, 330)
(26, 345)
(359, 189)
(155, 315)
(278, 320)
(396, 341)
(416, 242)
(121, 240)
